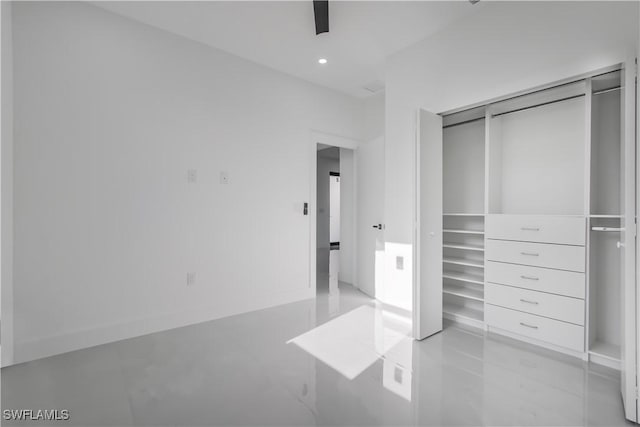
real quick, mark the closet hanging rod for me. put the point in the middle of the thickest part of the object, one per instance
(607, 90)
(538, 105)
(530, 92)
(463, 123)
(607, 229)
(608, 72)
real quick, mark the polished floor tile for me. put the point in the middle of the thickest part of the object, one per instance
(341, 359)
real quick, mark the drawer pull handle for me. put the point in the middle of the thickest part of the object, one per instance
(530, 253)
(530, 228)
(529, 302)
(529, 278)
(528, 326)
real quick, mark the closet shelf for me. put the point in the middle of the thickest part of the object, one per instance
(463, 246)
(605, 216)
(451, 230)
(460, 311)
(464, 292)
(462, 261)
(462, 277)
(607, 229)
(462, 214)
(604, 349)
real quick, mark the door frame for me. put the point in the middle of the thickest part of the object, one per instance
(318, 137)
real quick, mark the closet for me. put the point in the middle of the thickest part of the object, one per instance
(538, 219)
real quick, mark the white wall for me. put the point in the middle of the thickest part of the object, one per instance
(325, 165)
(370, 197)
(109, 116)
(347, 216)
(373, 117)
(502, 48)
(6, 178)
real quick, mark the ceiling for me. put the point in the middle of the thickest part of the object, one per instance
(281, 34)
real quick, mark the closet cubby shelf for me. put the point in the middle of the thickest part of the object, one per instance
(464, 262)
(604, 349)
(463, 214)
(460, 231)
(465, 246)
(465, 312)
(464, 292)
(606, 216)
(462, 277)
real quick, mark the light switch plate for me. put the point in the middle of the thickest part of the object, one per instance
(399, 263)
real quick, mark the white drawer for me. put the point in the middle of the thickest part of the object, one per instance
(537, 228)
(540, 328)
(554, 306)
(568, 283)
(536, 254)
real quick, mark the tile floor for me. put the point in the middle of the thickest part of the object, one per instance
(275, 367)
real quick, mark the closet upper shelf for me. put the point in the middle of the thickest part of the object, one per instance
(539, 98)
(464, 116)
(606, 81)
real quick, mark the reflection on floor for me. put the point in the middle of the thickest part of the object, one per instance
(241, 371)
(353, 341)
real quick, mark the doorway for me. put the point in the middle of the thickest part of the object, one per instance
(335, 212)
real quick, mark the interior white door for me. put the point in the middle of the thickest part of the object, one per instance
(627, 245)
(370, 212)
(427, 296)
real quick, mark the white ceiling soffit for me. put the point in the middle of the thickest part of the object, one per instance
(281, 34)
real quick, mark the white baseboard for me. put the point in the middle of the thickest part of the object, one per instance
(538, 343)
(464, 321)
(605, 361)
(53, 345)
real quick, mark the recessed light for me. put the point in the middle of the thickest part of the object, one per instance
(322, 61)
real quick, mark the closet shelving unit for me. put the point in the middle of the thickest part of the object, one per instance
(554, 153)
(463, 222)
(604, 221)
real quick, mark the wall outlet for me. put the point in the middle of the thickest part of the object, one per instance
(191, 279)
(224, 177)
(399, 263)
(192, 176)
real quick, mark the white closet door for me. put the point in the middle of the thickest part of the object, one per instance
(427, 298)
(627, 245)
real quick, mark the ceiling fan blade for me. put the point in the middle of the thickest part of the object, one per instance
(321, 13)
